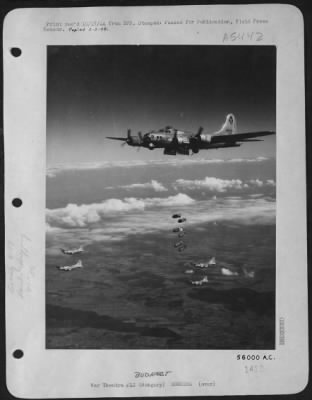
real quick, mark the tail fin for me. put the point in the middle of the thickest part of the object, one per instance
(79, 264)
(229, 127)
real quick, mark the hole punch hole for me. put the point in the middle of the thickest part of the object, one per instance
(16, 51)
(18, 353)
(17, 202)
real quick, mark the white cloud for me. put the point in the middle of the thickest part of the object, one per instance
(74, 215)
(120, 226)
(260, 183)
(180, 199)
(52, 229)
(271, 182)
(228, 272)
(248, 160)
(210, 183)
(52, 171)
(146, 219)
(256, 182)
(79, 216)
(244, 211)
(153, 184)
(233, 197)
(220, 185)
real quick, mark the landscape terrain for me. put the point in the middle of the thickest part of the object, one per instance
(135, 290)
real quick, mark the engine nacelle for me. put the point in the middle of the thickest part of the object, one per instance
(170, 152)
(135, 141)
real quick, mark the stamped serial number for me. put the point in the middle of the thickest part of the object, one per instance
(254, 357)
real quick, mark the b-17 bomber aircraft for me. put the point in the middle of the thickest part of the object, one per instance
(70, 267)
(175, 141)
(73, 251)
(199, 283)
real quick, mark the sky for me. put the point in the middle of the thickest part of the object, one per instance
(98, 91)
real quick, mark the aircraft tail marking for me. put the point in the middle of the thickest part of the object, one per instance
(229, 127)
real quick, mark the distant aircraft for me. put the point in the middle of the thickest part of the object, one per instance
(189, 271)
(175, 141)
(228, 272)
(181, 220)
(210, 263)
(73, 251)
(199, 283)
(70, 267)
(249, 274)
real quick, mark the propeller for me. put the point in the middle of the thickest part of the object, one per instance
(195, 140)
(175, 141)
(128, 140)
(140, 137)
(199, 132)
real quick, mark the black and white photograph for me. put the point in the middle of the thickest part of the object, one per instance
(155, 201)
(161, 197)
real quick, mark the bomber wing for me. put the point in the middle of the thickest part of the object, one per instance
(117, 138)
(130, 140)
(239, 137)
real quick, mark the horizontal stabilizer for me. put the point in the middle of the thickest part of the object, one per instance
(251, 140)
(239, 137)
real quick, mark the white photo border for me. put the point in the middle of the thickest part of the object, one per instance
(43, 373)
